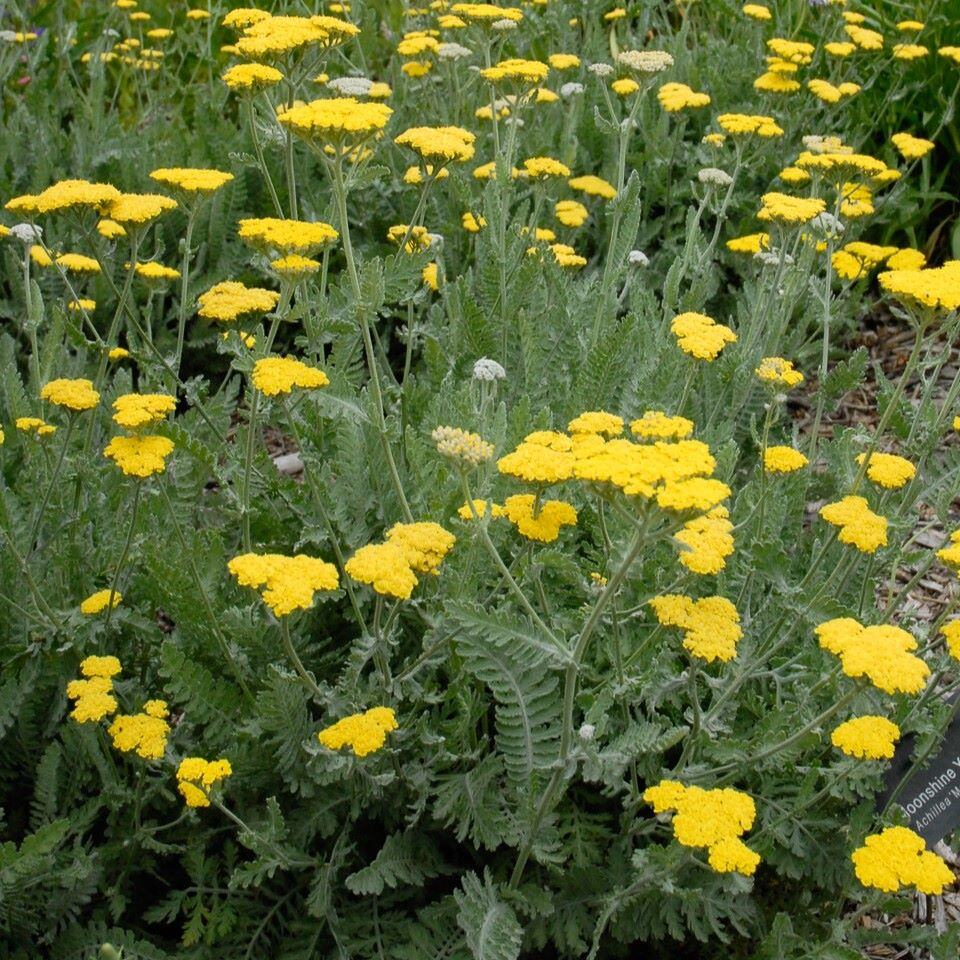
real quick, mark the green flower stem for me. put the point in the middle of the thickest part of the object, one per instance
(379, 656)
(184, 287)
(54, 476)
(134, 510)
(892, 404)
(288, 160)
(290, 650)
(32, 586)
(280, 854)
(207, 606)
(248, 469)
(824, 353)
(514, 587)
(261, 162)
(571, 676)
(776, 748)
(325, 517)
(340, 194)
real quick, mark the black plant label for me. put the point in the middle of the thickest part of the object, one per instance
(929, 794)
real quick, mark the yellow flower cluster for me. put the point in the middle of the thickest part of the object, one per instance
(439, 144)
(888, 470)
(675, 97)
(364, 733)
(785, 209)
(859, 525)
(134, 209)
(711, 625)
(593, 186)
(783, 460)
(231, 299)
(706, 542)
(271, 234)
(410, 548)
(77, 263)
(191, 179)
(701, 336)
(538, 521)
(64, 195)
(950, 554)
(779, 372)
(75, 395)
(526, 73)
(597, 421)
(251, 77)
(714, 819)
(657, 425)
(937, 287)
(486, 12)
(336, 120)
(869, 738)
(745, 124)
(196, 777)
(881, 653)
(34, 425)
(951, 633)
(273, 37)
(461, 445)
(139, 455)
(910, 147)
(285, 583)
(143, 733)
(824, 90)
(276, 375)
(100, 601)
(93, 696)
(541, 168)
(896, 858)
(134, 411)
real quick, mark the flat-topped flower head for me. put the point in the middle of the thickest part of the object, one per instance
(657, 425)
(285, 583)
(35, 425)
(950, 554)
(787, 210)
(140, 733)
(230, 299)
(461, 445)
(336, 120)
(711, 625)
(645, 62)
(77, 263)
(706, 542)
(867, 738)
(859, 525)
(881, 654)
(951, 633)
(424, 544)
(888, 470)
(486, 13)
(280, 375)
(135, 209)
(271, 234)
(65, 195)
(711, 819)
(779, 459)
(757, 11)
(137, 410)
(517, 72)
(275, 37)
(95, 666)
(242, 17)
(77, 395)
(191, 179)
(571, 213)
(936, 288)
(196, 778)
(251, 77)
(701, 336)
(675, 97)
(542, 168)
(156, 273)
(779, 373)
(538, 521)
(897, 858)
(364, 733)
(100, 601)
(439, 144)
(593, 186)
(597, 421)
(910, 147)
(141, 455)
(543, 457)
(746, 124)
(384, 567)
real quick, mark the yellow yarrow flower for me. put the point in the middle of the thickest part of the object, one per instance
(136, 410)
(285, 583)
(280, 375)
(230, 299)
(364, 733)
(701, 336)
(896, 858)
(439, 144)
(196, 777)
(859, 525)
(881, 654)
(711, 626)
(910, 147)
(98, 602)
(675, 97)
(77, 395)
(706, 542)
(888, 470)
(869, 738)
(384, 567)
(541, 522)
(783, 460)
(424, 544)
(140, 455)
(191, 179)
(779, 372)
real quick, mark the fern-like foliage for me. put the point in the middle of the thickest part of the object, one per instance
(492, 929)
